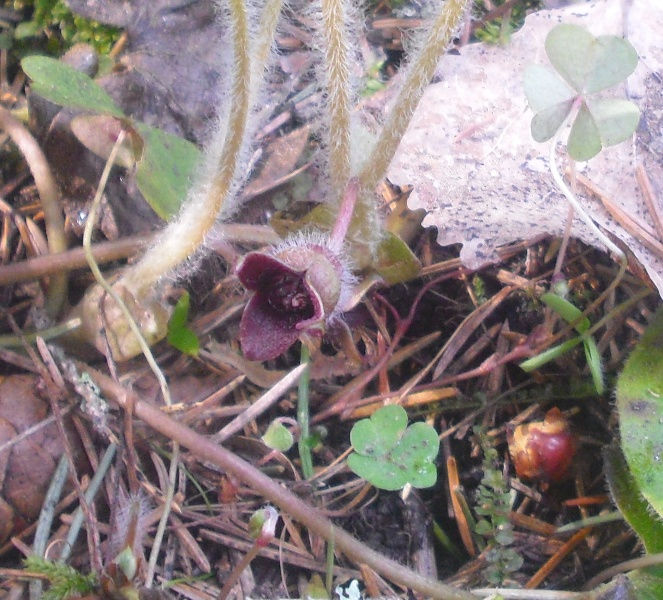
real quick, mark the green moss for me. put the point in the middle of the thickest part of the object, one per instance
(60, 28)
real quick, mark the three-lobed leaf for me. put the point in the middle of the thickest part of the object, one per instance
(587, 65)
(389, 454)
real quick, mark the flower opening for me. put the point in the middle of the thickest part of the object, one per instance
(297, 288)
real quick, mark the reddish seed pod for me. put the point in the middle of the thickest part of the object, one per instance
(543, 450)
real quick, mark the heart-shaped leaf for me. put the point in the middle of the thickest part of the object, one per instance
(614, 59)
(165, 169)
(545, 123)
(584, 140)
(389, 455)
(64, 85)
(544, 89)
(640, 406)
(380, 433)
(570, 49)
(615, 118)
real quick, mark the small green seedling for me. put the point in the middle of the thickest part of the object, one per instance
(389, 454)
(571, 314)
(179, 334)
(164, 163)
(278, 437)
(587, 65)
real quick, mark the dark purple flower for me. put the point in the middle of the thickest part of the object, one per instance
(296, 289)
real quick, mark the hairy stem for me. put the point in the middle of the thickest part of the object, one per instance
(338, 91)
(184, 236)
(274, 492)
(418, 76)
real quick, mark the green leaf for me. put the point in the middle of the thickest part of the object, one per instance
(593, 357)
(640, 408)
(585, 139)
(64, 85)
(278, 437)
(545, 123)
(389, 455)
(589, 64)
(634, 508)
(380, 433)
(544, 89)
(566, 310)
(615, 118)
(395, 261)
(613, 61)
(539, 360)
(570, 49)
(165, 169)
(179, 334)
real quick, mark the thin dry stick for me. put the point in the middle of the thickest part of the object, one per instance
(50, 201)
(274, 492)
(260, 405)
(551, 564)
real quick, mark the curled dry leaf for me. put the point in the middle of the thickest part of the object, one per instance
(482, 179)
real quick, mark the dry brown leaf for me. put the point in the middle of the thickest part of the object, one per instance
(475, 168)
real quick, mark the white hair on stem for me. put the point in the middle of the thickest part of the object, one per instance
(219, 178)
(417, 76)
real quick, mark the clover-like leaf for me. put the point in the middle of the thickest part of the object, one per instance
(544, 89)
(389, 454)
(570, 50)
(640, 407)
(587, 63)
(615, 118)
(585, 139)
(64, 85)
(614, 59)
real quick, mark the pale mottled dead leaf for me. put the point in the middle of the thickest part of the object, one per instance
(475, 168)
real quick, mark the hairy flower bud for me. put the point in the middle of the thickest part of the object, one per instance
(297, 288)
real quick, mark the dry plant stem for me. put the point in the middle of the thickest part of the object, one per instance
(338, 90)
(181, 238)
(41, 266)
(50, 201)
(573, 201)
(273, 492)
(46, 518)
(418, 76)
(516, 594)
(87, 235)
(237, 571)
(649, 560)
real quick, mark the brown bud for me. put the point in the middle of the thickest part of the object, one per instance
(544, 449)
